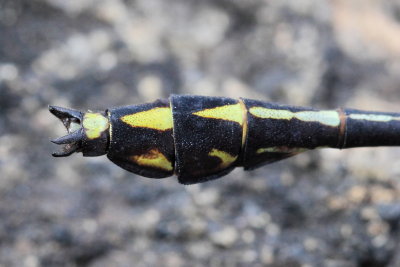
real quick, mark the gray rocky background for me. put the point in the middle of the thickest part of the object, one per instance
(322, 208)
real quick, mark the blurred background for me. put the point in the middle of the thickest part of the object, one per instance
(322, 208)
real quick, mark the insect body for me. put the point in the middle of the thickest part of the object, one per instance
(203, 138)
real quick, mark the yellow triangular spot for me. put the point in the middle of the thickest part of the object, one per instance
(226, 158)
(156, 118)
(227, 112)
(153, 158)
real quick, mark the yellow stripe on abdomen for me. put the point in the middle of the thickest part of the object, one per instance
(373, 117)
(326, 117)
(228, 112)
(156, 118)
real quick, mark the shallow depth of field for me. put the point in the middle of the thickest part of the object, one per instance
(322, 208)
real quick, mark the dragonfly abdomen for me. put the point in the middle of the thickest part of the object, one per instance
(202, 138)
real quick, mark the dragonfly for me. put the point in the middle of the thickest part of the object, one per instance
(201, 138)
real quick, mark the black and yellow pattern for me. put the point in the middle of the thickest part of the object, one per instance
(208, 136)
(203, 138)
(276, 132)
(141, 139)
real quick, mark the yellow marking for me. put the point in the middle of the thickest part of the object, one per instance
(153, 158)
(94, 124)
(226, 158)
(156, 118)
(267, 113)
(228, 112)
(280, 149)
(373, 117)
(244, 124)
(327, 117)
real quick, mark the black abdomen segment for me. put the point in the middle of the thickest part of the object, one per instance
(365, 128)
(141, 139)
(276, 132)
(207, 135)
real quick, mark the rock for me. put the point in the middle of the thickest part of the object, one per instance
(225, 237)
